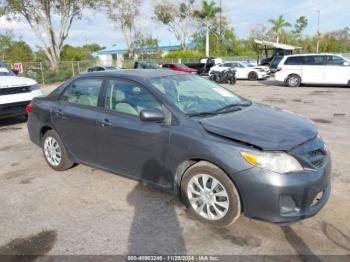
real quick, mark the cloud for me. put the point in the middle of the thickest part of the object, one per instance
(95, 27)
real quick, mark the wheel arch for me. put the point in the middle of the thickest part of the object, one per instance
(185, 165)
(43, 131)
(294, 74)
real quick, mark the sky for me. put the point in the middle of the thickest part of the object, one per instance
(244, 15)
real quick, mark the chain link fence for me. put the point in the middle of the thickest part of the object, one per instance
(43, 73)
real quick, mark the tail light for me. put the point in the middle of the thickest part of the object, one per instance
(278, 69)
(29, 108)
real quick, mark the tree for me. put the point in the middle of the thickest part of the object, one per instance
(19, 51)
(6, 40)
(300, 25)
(177, 17)
(222, 37)
(278, 26)
(145, 41)
(124, 14)
(41, 16)
(206, 15)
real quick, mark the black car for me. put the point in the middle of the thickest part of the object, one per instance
(101, 68)
(224, 154)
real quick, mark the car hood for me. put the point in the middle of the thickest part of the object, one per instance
(15, 81)
(266, 127)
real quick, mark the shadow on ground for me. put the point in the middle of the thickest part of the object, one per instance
(30, 248)
(8, 123)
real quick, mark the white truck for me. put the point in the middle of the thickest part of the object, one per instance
(15, 92)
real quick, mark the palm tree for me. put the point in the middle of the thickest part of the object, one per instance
(278, 26)
(206, 14)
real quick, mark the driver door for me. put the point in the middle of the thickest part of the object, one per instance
(126, 144)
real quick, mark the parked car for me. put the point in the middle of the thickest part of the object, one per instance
(243, 71)
(329, 69)
(224, 154)
(145, 65)
(15, 92)
(275, 62)
(179, 67)
(101, 68)
(205, 64)
(255, 66)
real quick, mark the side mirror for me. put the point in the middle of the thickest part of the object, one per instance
(152, 115)
(346, 63)
(15, 71)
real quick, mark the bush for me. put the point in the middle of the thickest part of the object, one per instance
(186, 53)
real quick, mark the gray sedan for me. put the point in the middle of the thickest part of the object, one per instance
(223, 154)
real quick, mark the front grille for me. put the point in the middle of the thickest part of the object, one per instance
(14, 90)
(316, 157)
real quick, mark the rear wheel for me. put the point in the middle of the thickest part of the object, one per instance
(54, 152)
(210, 195)
(253, 76)
(293, 81)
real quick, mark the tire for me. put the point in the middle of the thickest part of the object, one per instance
(349, 84)
(224, 209)
(253, 76)
(52, 144)
(293, 81)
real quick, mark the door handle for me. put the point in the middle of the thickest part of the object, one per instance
(59, 114)
(105, 123)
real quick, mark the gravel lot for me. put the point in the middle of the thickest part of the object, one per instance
(87, 211)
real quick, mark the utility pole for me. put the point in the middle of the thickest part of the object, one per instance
(220, 24)
(318, 31)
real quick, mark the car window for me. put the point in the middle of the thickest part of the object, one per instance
(128, 97)
(83, 92)
(294, 60)
(335, 61)
(313, 60)
(227, 64)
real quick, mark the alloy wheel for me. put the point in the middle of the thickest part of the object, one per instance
(52, 151)
(208, 197)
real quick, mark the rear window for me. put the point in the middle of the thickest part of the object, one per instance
(305, 60)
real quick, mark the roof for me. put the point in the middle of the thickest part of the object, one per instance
(309, 54)
(117, 50)
(136, 74)
(276, 45)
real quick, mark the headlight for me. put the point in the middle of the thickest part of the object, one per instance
(34, 87)
(277, 162)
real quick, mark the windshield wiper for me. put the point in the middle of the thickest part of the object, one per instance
(232, 107)
(202, 114)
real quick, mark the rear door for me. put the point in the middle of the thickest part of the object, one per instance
(126, 144)
(336, 72)
(75, 116)
(313, 69)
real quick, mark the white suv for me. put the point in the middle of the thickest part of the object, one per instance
(332, 69)
(15, 93)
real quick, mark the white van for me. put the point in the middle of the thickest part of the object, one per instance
(15, 93)
(295, 70)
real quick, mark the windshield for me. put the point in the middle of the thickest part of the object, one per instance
(195, 95)
(5, 72)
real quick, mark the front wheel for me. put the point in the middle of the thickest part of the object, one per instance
(210, 195)
(54, 152)
(253, 76)
(293, 81)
